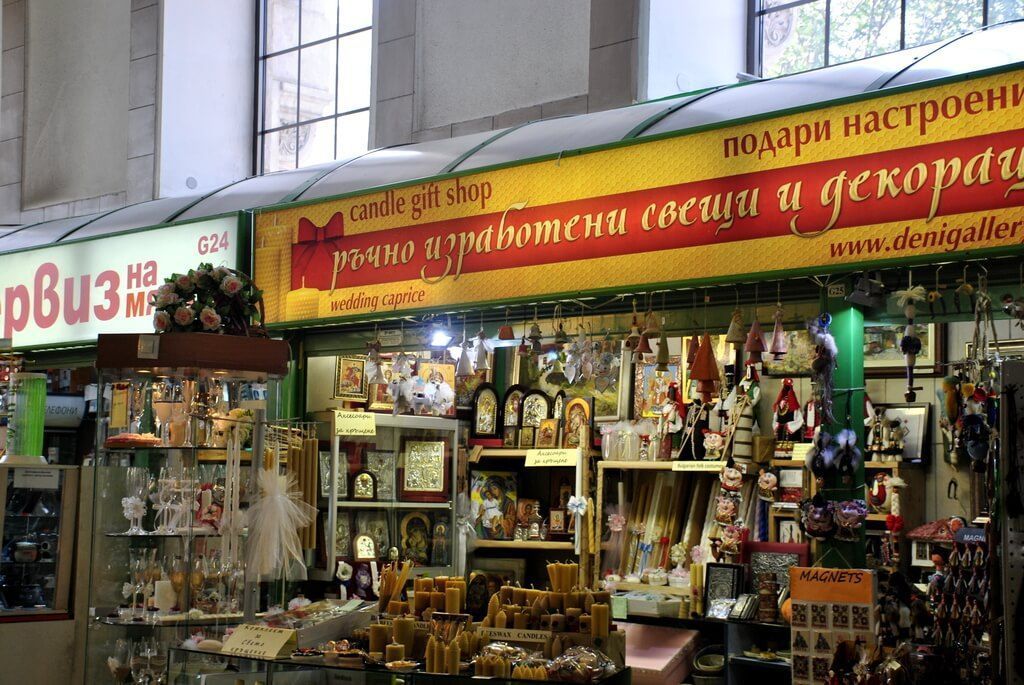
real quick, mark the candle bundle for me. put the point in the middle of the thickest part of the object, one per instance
(563, 577)
(392, 582)
(496, 666)
(530, 673)
(405, 632)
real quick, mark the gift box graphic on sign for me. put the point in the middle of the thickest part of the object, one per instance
(313, 252)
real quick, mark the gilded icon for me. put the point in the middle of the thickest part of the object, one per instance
(424, 467)
(364, 486)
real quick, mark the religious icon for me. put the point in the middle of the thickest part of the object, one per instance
(364, 486)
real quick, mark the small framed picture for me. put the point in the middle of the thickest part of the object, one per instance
(508, 437)
(526, 436)
(789, 531)
(547, 433)
(722, 581)
(556, 522)
(325, 475)
(350, 379)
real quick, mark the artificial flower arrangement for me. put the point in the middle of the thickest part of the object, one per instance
(210, 299)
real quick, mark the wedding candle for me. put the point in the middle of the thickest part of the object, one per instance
(585, 623)
(501, 620)
(519, 621)
(572, 619)
(394, 652)
(460, 585)
(437, 600)
(558, 623)
(505, 594)
(431, 642)
(453, 659)
(378, 637)
(493, 606)
(165, 596)
(451, 599)
(600, 621)
(405, 632)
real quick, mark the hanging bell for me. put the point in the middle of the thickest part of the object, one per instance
(506, 333)
(464, 369)
(779, 343)
(755, 343)
(662, 365)
(735, 334)
(633, 339)
(643, 347)
(561, 337)
(557, 374)
(378, 375)
(523, 350)
(482, 363)
(692, 345)
(535, 337)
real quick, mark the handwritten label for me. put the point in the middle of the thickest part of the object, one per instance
(355, 424)
(850, 586)
(37, 479)
(553, 457)
(260, 641)
(119, 406)
(705, 466)
(801, 449)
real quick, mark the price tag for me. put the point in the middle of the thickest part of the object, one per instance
(119, 405)
(705, 466)
(260, 641)
(355, 423)
(37, 479)
(800, 450)
(553, 457)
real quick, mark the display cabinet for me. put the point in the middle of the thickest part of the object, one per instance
(37, 540)
(388, 495)
(173, 475)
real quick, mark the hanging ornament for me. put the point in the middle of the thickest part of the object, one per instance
(823, 365)
(850, 517)
(705, 369)
(754, 346)
(910, 343)
(557, 374)
(373, 361)
(820, 457)
(780, 346)
(848, 457)
(817, 518)
(483, 349)
(662, 359)
(464, 368)
(633, 338)
(735, 335)
(692, 345)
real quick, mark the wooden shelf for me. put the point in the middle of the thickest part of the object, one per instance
(636, 465)
(644, 587)
(890, 465)
(478, 453)
(527, 544)
(789, 463)
(877, 517)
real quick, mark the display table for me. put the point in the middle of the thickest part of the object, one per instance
(190, 666)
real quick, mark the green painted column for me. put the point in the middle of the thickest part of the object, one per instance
(848, 411)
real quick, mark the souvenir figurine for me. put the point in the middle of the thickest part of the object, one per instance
(731, 477)
(848, 457)
(823, 365)
(817, 518)
(714, 445)
(895, 431)
(850, 517)
(670, 420)
(788, 418)
(726, 509)
(882, 492)
(820, 457)
(875, 423)
(732, 538)
(741, 407)
(767, 485)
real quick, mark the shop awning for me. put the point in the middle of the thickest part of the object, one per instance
(982, 49)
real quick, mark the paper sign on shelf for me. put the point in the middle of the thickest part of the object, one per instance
(851, 586)
(119, 406)
(705, 466)
(37, 479)
(355, 423)
(553, 457)
(260, 641)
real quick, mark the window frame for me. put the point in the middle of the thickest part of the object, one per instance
(755, 27)
(261, 57)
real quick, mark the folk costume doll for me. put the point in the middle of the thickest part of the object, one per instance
(692, 446)
(788, 419)
(670, 419)
(741, 405)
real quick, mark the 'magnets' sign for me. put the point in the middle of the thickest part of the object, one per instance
(923, 172)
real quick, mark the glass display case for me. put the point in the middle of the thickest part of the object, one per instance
(37, 539)
(173, 476)
(389, 496)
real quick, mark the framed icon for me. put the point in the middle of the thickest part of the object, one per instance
(486, 412)
(365, 548)
(512, 405)
(535, 408)
(364, 486)
(527, 434)
(424, 471)
(350, 379)
(577, 422)
(547, 433)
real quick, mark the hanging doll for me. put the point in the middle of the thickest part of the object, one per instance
(740, 406)
(823, 365)
(974, 428)
(949, 403)
(874, 421)
(729, 497)
(692, 444)
(847, 456)
(820, 457)
(788, 419)
(670, 419)
(714, 445)
(850, 517)
(910, 343)
(817, 518)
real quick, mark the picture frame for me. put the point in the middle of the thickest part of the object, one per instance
(364, 548)
(342, 534)
(916, 418)
(722, 581)
(493, 496)
(650, 387)
(524, 509)
(428, 371)
(1014, 347)
(485, 421)
(578, 416)
(563, 486)
(381, 464)
(511, 405)
(510, 436)
(414, 538)
(527, 436)
(350, 379)
(379, 394)
(466, 386)
(363, 486)
(535, 408)
(423, 472)
(376, 524)
(556, 521)
(882, 356)
(790, 532)
(547, 434)
(325, 475)
(775, 557)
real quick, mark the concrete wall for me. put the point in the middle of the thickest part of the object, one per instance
(447, 68)
(691, 45)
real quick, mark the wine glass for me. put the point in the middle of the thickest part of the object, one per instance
(162, 409)
(178, 575)
(139, 662)
(164, 497)
(137, 485)
(157, 661)
(118, 661)
(152, 573)
(137, 569)
(196, 579)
